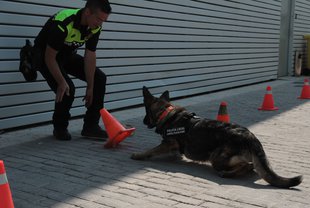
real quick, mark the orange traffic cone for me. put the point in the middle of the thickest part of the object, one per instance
(115, 130)
(305, 93)
(268, 103)
(6, 200)
(222, 114)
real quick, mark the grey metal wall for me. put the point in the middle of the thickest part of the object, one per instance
(185, 46)
(301, 27)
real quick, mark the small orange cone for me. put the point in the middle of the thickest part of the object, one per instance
(305, 93)
(268, 103)
(115, 130)
(6, 200)
(222, 114)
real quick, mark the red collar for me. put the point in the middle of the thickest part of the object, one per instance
(166, 112)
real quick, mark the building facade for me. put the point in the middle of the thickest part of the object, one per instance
(185, 46)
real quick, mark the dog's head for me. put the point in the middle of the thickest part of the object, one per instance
(154, 106)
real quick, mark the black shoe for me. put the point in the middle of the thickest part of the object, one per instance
(62, 134)
(94, 131)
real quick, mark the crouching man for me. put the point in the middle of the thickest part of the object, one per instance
(56, 48)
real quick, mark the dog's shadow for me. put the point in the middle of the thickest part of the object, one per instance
(176, 164)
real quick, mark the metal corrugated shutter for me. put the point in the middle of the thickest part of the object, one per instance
(185, 46)
(301, 27)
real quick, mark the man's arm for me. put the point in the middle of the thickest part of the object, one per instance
(89, 67)
(51, 63)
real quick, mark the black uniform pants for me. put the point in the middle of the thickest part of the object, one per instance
(74, 65)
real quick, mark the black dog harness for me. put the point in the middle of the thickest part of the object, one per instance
(175, 122)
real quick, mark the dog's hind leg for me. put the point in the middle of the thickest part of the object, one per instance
(239, 169)
(164, 148)
(228, 165)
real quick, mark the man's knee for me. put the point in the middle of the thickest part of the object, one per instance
(100, 77)
(100, 81)
(71, 95)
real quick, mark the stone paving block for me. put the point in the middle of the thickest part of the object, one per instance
(155, 192)
(181, 205)
(91, 204)
(62, 205)
(215, 205)
(108, 202)
(186, 199)
(161, 200)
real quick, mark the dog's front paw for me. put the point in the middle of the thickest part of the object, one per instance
(138, 156)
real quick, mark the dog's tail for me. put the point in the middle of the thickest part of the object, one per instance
(262, 167)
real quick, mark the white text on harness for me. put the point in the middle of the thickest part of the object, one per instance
(175, 131)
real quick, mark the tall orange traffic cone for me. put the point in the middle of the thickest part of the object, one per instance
(268, 103)
(6, 200)
(115, 130)
(222, 113)
(305, 93)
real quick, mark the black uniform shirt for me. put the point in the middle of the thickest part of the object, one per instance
(64, 33)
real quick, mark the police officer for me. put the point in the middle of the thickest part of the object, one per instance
(56, 55)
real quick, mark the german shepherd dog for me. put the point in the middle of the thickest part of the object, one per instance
(231, 149)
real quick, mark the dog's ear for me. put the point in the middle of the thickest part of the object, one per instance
(146, 93)
(165, 96)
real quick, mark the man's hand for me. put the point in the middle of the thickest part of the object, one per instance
(88, 97)
(62, 88)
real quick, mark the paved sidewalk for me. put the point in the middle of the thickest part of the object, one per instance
(43, 172)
